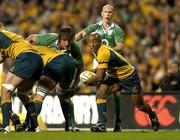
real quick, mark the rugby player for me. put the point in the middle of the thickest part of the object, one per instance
(64, 41)
(119, 72)
(25, 70)
(111, 35)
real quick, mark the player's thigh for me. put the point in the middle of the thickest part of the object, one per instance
(114, 89)
(47, 82)
(27, 65)
(26, 85)
(101, 91)
(137, 99)
(9, 87)
(8, 77)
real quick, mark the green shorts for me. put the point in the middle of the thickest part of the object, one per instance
(27, 65)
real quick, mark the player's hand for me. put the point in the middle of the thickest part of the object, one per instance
(93, 83)
(31, 39)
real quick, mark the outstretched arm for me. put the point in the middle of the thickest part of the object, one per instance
(80, 35)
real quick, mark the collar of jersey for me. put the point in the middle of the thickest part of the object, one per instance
(112, 24)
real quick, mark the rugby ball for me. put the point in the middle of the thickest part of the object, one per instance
(86, 75)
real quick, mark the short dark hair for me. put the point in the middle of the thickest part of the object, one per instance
(66, 33)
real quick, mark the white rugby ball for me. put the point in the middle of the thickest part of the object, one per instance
(86, 75)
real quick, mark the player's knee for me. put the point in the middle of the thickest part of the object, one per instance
(28, 92)
(141, 107)
(41, 92)
(100, 94)
(23, 96)
(9, 87)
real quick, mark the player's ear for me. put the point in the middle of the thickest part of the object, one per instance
(101, 13)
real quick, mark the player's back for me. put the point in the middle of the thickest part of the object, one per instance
(117, 67)
(47, 53)
(12, 44)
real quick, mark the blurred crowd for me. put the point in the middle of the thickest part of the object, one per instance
(143, 22)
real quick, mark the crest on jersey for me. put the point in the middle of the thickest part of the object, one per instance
(105, 42)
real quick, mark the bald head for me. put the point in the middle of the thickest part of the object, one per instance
(107, 13)
(108, 7)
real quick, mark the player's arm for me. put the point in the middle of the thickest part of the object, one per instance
(80, 69)
(119, 39)
(98, 78)
(119, 47)
(89, 29)
(103, 59)
(45, 39)
(80, 35)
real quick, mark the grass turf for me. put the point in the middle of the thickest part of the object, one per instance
(59, 135)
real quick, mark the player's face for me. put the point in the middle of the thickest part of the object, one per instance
(173, 68)
(94, 43)
(107, 13)
(64, 44)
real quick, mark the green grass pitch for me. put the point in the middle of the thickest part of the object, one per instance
(60, 135)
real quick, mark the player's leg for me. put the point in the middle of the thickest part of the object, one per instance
(30, 71)
(67, 74)
(101, 107)
(67, 109)
(24, 92)
(115, 90)
(45, 85)
(132, 86)
(68, 112)
(145, 107)
(6, 105)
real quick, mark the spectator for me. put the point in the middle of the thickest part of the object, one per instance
(171, 82)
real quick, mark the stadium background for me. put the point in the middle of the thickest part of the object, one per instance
(152, 38)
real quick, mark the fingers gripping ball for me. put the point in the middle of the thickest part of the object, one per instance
(86, 75)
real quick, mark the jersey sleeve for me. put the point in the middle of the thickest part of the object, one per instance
(46, 39)
(103, 58)
(91, 28)
(118, 34)
(76, 54)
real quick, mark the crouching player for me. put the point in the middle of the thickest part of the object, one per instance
(63, 41)
(25, 70)
(119, 72)
(59, 68)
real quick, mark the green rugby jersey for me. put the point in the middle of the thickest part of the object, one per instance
(51, 40)
(110, 36)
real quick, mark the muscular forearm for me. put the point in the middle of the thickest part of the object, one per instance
(80, 35)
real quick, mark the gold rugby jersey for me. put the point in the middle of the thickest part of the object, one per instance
(47, 53)
(12, 44)
(116, 64)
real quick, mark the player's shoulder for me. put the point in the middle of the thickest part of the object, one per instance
(96, 25)
(53, 34)
(103, 48)
(117, 26)
(74, 44)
